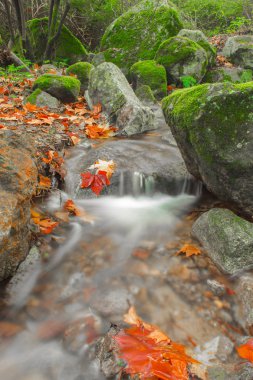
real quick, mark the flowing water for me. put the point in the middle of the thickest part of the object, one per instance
(92, 272)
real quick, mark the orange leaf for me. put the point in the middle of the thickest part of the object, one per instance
(245, 351)
(70, 206)
(45, 182)
(31, 107)
(189, 250)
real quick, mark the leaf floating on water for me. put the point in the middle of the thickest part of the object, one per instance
(245, 351)
(189, 250)
(74, 210)
(46, 225)
(150, 353)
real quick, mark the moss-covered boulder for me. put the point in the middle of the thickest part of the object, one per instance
(82, 71)
(137, 34)
(109, 87)
(199, 37)
(228, 74)
(239, 50)
(64, 88)
(151, 74)
(43, 99)
(227, 238)
(213, 126)
(182, 57)
(69, 48)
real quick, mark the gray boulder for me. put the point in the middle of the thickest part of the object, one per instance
(43, 99)
(109, 87)
(227, 238)
(199, 37)
(213, 127)
(239, 50)
(228, 74)
(182, 57)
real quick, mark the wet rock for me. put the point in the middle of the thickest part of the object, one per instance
(217, 349)
(18, 180)
(227, 238)
(64, 88)
(109, 87)
(43, 99)
(244, 303)
(105, 355)
(213, 127)
(216, 287)
(239, 50)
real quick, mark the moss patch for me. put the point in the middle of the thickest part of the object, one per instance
(137, 34)
(33, 97)
(82, 71)
(68, 48)
(151, 74)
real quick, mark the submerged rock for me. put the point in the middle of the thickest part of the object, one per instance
(109, 87)
(213, 127)
(199, 37)
(64, 88)
(239, 50)
(227, 238)
(18, 180)
(182, 57)
(137, 34)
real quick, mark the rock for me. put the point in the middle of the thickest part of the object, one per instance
(199, 37)
(244, 373)
(109, 87)
(137, 34)
(43, 99)
(145, 94)
(47, 68)
(244, 303)
(182, 57)
(69, 48)
(228, 74)
(151, 74)
(213, 127)
(239, 50)
(216, 350)
(82, 72)
(18, 180)
(64, 88)
(98, 59)
(227, 238)
(216, 287)
(218, 373)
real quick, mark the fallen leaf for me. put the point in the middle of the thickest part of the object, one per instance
(189, 250)
(245, 351)
(44, 182)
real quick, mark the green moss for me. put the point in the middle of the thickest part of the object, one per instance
(137, 34)
(68, 48)
(33, 97)
(152, 74)
(82, 71)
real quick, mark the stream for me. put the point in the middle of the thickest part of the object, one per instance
(92, 272)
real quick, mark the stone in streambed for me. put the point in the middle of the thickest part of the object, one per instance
(109, 87)
(43, 99)
(227, 238)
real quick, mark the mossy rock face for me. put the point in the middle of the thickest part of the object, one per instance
(42, 99)
(69, 48)
(239, 50)
(227, 238)
(82, 71)
(228, 74)
(151, 74)
(213, 126)
(145, 94)
(199, 37)
(137, 34)
(182, 57)
(64, 88)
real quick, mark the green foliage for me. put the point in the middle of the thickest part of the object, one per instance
(247, 76)
(188, 81)
(237, 24)
(33, 97)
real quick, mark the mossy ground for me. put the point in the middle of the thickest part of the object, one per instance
(68, 48)
(136, 35)
(151, 74)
